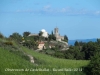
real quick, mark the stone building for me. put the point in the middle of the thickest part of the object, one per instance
(41, 45)
(57, 35)
(44, 33)
(34, 34)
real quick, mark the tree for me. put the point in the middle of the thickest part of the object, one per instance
(76, 43)
(16, 36)
(74, 53)
(98, 41)
(50, 37)
(25, 34)
(30, 38)
(69, 54)
(59, 54)
(36, 38)
(89, 49)
(52, 33)
(53, 36)
(65, 38)
(30, 44)
(94, 66)
(78, 54)
(81, 43)
(40, 33)
(1, 35)
(40, 36)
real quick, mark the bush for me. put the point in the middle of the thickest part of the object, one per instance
(1, 35)
(94, 67)
(8, 43)
(1, 43)
(59, 54)
(50, 52)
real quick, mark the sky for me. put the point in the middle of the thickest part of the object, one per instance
(78, 19)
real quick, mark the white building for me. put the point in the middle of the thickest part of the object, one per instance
(45, 33)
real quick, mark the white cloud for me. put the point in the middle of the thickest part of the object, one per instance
(97, 12)
(24, 11)
(67, 9)
(47, 7)
(48, 10)
(63, 10)
(18, 11)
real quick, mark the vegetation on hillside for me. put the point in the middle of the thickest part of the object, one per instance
(14, 60)
(14, 54)
(94, 66)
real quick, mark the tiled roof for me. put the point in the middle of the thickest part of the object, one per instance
(40, 42)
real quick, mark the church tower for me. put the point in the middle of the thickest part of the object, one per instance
(57, 35)
(56, 32)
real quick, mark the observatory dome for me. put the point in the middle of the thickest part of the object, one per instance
(45, 33)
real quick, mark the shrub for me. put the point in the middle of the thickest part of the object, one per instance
(1, 43)
(94, 67)
(8, 43)
(50, 52)
(1, 35)
(59, 54)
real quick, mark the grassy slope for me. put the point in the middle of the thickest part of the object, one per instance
(51, 62)
(10, 60)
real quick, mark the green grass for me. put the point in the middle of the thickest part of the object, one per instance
(51, 62)
(13, 61)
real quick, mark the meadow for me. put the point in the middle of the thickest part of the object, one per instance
(56, 66)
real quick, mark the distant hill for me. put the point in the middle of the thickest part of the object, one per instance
(71, 42)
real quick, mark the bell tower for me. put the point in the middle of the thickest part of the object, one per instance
(56, 32)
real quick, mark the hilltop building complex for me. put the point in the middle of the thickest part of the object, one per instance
(45, 34)
(41, 44)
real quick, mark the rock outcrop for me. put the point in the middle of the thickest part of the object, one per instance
(31, 59)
